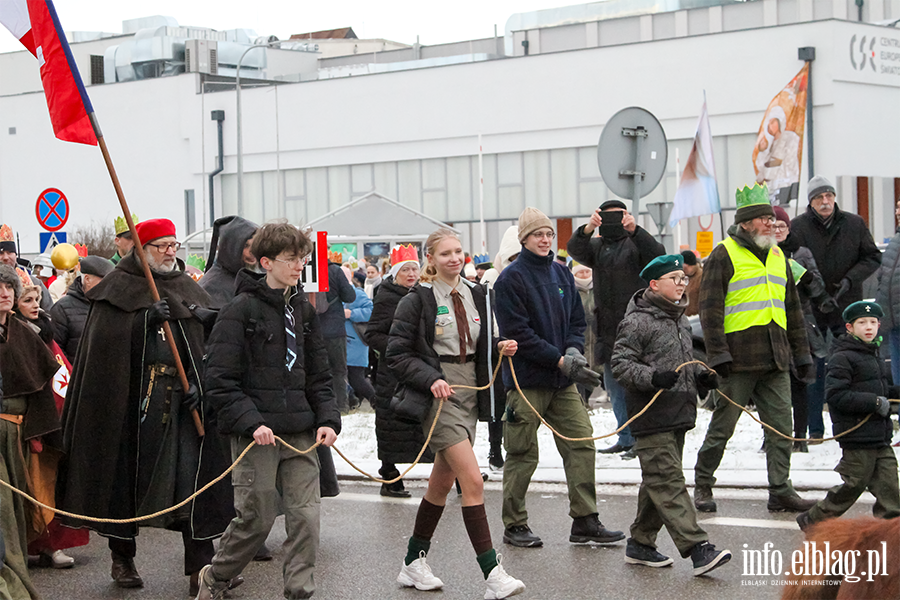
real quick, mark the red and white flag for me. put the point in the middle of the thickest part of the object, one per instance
(36, 25)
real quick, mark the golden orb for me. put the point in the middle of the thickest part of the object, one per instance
(64, 257)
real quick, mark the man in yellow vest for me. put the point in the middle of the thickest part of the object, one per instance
(753, 326)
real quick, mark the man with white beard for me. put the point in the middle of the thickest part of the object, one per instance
(753, 326)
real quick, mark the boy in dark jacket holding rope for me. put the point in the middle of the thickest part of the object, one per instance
(857, 388)
(653, 340)
(268, 374)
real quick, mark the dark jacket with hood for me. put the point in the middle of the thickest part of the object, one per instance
(410, 353)
(617, 264)
(247, 379)
(655, 336)
(856, 375)
(537, 304)
(759, 348)
(110, 448)
(226, 258)
(399, 440)
(339, 291)
(69, 315)
(844, 249)
(889, 284)
(811, 289)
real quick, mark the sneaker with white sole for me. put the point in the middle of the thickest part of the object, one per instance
(418, 574)
(501, 584)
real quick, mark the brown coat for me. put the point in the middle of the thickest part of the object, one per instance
(693, 293)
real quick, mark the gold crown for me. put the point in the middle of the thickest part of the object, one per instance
(6, 234)
(122, 225)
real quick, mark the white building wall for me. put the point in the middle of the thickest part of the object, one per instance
(412, 135)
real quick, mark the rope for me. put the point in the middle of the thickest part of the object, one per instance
(421, 452)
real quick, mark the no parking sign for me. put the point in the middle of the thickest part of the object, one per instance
(52, 209)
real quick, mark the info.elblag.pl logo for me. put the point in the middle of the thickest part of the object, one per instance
(813, 560)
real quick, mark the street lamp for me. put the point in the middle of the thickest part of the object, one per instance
(240, 136)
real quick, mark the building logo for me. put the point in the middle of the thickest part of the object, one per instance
(860, 55)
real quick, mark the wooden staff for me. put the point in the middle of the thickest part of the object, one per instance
(182, 375)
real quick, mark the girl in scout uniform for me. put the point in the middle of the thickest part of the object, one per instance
(438, 337)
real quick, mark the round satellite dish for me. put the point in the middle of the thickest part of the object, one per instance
(632, 142)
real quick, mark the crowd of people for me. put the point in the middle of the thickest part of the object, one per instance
(117, 405)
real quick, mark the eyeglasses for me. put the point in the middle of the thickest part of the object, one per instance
(163, 248)
(294, 262)
(767, 219)
(781, 227)
(683, 280)
(540, 235)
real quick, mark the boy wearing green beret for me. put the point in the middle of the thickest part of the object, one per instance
(857, 387)
(653, 339)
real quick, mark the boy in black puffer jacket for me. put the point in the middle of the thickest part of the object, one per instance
(857, 387)
(268, 374)
(653, 339)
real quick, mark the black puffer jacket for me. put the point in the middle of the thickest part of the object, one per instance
(69, 315)
(247, 381)
(410, 352)
(855, 376)
(617, 266)
(843, 250)
(399, 440)
(226, 253)
(339, 290)
(652, 340)
(811, 289)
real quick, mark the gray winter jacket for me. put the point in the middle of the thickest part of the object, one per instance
(889, 284)
(650, 340)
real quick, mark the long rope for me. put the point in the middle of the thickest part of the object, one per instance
(421, 452)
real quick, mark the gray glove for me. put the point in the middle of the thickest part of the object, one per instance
(575, 368)
(882, 406)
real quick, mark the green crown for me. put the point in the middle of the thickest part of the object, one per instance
(195, 260)
(121, 225)
(751, 196)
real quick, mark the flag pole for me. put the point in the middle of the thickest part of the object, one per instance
(170, 339)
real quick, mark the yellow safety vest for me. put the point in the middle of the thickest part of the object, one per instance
(756, 292)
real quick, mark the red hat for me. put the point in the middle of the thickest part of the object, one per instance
(154, 229)
(781, 215)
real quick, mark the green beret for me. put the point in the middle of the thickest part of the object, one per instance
(860, 309)
(661, 265)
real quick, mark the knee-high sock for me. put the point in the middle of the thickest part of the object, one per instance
(426, 522)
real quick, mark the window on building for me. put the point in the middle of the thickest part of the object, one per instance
(96, 69)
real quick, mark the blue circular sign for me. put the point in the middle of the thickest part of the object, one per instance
(52, 209)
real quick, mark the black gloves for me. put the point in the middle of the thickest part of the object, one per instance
(806, 372)
(829, 305)
(191, 399)
(206, 316)
(575, 368)
(708, 380)
(664, 379)
(158, 313)
(845, 287)
(724, 370)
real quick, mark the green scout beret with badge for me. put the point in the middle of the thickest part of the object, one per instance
(662, 265)
(863, 308)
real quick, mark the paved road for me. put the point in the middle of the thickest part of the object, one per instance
(364, 540)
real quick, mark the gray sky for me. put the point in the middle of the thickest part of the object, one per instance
(398, 20)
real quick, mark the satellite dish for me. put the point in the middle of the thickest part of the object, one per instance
(632, 154)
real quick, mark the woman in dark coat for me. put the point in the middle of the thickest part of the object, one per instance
(399, 441)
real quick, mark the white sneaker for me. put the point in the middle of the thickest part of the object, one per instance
(418, 574)
(502, 585)
(60, 560)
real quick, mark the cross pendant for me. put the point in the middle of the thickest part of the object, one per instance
(162, 333)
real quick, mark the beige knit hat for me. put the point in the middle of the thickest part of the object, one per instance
(530, 221)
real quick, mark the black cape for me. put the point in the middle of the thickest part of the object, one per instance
(101, 419)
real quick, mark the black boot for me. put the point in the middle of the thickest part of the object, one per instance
(703, 499)
(589, 529)
(124, 573)
(392, 490)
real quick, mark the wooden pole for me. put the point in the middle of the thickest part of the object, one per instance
(138, 251)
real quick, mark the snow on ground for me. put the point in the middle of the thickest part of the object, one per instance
(742, 466)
